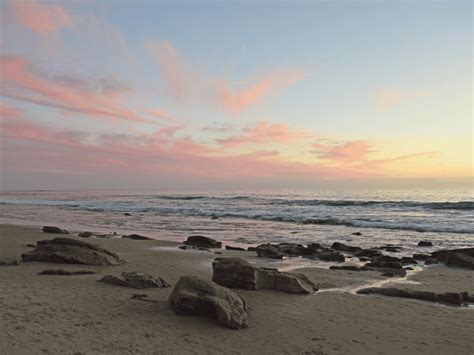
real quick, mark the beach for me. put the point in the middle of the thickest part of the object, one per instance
(77, 315)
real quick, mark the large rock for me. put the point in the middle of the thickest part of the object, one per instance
(442, 255)
(195, 296)
(385, 264)
(53, 229)
(202, 242)
(239, 273)
(293, 249)
(460, 260)
(343, 247)
(71, 251)
(331, 256)
(136, 237)
(135, 280)
(269, 251)
(395, 292)
(425, 243)
(370, 253)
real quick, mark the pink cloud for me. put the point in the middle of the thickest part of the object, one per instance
(353, 151)
(184, 82)
(387, 98)
(41, 17)
(19, 81)
(262, 132)
(9, 112)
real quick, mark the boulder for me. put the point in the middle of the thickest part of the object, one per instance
(430, 261)
(450, 298)
(66, 272)
(357, 233)
(269, 251)
(228, 247)
(71, 251)
(135, 280)
(239, 273)
(385, 258)
(251, 249)
(345, 267)
(85, 234)
(408, 260)
(422, 257)
(425, 243)
(442, 255)
(127, 214)
(385, 264)
(53, 229)
(314, 247)
(195, 296)
(293, 249)
(391, 248)
(203, 242)
(460, 260)
(136, 237)
(395, 292)
(343, 247)
(370, 253)
(390, 272)
(331, 256)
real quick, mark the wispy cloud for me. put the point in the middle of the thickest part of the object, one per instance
(388, 98)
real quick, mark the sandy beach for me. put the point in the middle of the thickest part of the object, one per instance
(78, 315)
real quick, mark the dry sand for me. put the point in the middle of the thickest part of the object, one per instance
(76, 314)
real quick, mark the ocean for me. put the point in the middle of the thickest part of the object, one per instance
(397, 216)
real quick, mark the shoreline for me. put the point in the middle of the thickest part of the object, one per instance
(75, 314)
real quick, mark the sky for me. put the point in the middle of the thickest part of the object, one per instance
(195, 94)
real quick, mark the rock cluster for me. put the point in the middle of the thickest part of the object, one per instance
(71, 251)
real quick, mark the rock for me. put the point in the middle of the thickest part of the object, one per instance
(430, 261)
(385, 258)
(370, 253)
(408, 260)
(395, 292)
(66, 272)
(214, 217)
(239, 273)
(386, 264)
(85, 234)
(293, 249)
(251, 249)
(467, 297)
(201, 241)
(29, 245)
(10, 262)
(450, 298)
(425, 243)
(357, 233)
(135, 280)
(343, 247)
(422, 257)
(52, 229)
(331, 256)
(364, 259)
(391, 248)
(460, 260)
(228, 247)
(71, 251)
(385, 271)
(442, 255)
(127, 214)
(192, 247)
(136, 237)
(269, 251)
(195, 296)
(345, 267)
(314, 247)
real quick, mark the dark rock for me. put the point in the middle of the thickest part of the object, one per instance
(214, 217)
(343, 247)
(364, 259)
(136, 237)
(29, 245)
(293, 249)
(450, 298)
(66, 272)
(425, 243)
(422, 257)
(195, 296)
(127, 214)
(10, 262)
(442, 255)
(314, 247)
(135, 280)
(385, 264)
(368, 253)
(467, 297)
(192, 247)
(385, 271)
(201, 241)
(408, 260)
(269, 251)
(71, 251)
(331, 256)
(345, 267)
(395, 292)
(85, 234)
(228, 247)
(357, 233)
(460, 260)
(52, 229)
(385, 258)
(239, 273)
(251, 249)
(391, 248)
(430, 261)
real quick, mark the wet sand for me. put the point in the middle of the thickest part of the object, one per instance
(75, 314)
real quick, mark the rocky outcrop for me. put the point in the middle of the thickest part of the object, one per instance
(202, 242)
(460, 260)
(425, 243)
(71, 251)
(442, 255)
(269, 251)
(239, 273)
(195, 296)
(136, 237)
(343, 247)
(66, 272)
(53, 229)
(135, 280)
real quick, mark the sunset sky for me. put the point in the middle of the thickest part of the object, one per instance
(153, 94)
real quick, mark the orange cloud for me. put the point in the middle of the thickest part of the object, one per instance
(387, 98)
(41, 17)
(264, 131)
(184, 82)
(20, 82)
(354, 151)
(9, 112)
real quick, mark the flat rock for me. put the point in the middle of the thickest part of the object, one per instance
(203, 242)
(268, 251)
(331, 256)
(442, 255)
(345, 267)
(460, 260)
(53, 229)
(239, 273)
(425, 243)
(66, 272)
(228, 247)
(368, 253)
(343, 247)
(293, 249)
(71, 251)
(195, 296)
(385, 271)
(135, 280)
(85, 234)
(136, 237)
